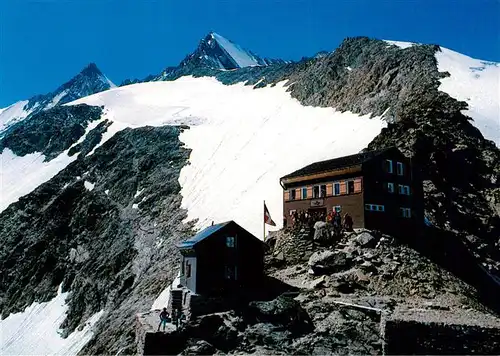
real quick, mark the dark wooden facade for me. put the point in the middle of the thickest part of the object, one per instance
(221, 259)
(377, 196)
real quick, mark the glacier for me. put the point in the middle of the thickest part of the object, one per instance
(242, 139)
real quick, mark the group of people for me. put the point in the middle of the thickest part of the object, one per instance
(307, 218)
(177, 318)
(338, 222)
(310, 218)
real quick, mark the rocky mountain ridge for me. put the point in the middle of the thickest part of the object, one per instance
(89, 81)
(214, 54)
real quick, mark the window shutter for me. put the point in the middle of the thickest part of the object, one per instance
(343, 187)
(357, 185)
(329, 189)
(298, 193)
(286, 195)
(309, 192)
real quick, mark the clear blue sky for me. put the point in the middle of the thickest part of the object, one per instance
(44, 43)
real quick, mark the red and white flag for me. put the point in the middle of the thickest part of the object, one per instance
(267, 217)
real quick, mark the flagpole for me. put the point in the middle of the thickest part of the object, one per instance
(264, 236)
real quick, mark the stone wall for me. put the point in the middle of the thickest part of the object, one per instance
(200, 305)
(405, 336)
(151, 342)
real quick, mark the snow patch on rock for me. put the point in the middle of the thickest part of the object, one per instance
(36, 330)
(88, 185)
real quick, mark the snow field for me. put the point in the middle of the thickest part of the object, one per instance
(21, 175)
(12, 114)
(474, 81)
(56, 100)
(242, 140)
(478, 84)
(164, 297)
(35, 331)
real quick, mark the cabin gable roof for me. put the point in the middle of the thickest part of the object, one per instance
(210, 231)
(336, 163)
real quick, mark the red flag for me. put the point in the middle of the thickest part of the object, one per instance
(267, 217)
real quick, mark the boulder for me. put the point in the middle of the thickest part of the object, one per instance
(214, 330)
(282, 311)
(268, 335)
(321, 232)
(199, 347)
(324, 262)
(317, 283)
(365, 239)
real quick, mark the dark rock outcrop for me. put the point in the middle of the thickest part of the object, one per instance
(89, 81)
(54, 131)
(94, 243)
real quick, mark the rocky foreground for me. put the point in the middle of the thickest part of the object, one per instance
(344, 297)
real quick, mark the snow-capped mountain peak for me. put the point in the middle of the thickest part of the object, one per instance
(213, 55)
(89, 81)
(240, 57)
(217, 52)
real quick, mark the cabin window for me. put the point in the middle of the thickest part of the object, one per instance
(292, 194)
(404, 189)
(405, 212)
(304, 193)
(316, 191)
(230, 241)
(322, 191)
(374, 207)
(350, 187)
(388, 166)
(188, 269)
(337, 208)
(399, 168)
(231, 273)
(336, 189)
(390, 187)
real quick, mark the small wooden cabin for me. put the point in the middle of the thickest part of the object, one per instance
(381, 190)
(220, 259)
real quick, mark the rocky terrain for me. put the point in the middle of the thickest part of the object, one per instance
(57, 234)
(51, 132)
(339, 293)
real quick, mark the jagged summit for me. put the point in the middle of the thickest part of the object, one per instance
(88, 81)
(91, 69)
(217, 52)
(214, 54)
